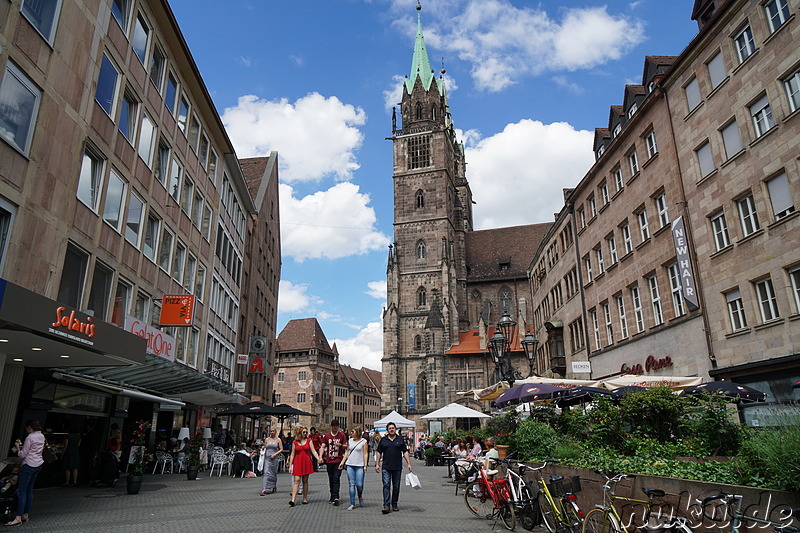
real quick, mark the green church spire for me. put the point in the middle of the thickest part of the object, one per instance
(420, 64)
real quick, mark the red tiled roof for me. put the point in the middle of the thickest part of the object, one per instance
(661, 60)
(487, 250)
(469, 342)
(635, 89)
(618, 110)
(302, 334)
(253, 170)
(375, 376)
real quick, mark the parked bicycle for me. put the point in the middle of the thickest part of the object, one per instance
(606, 519)
(486, 498)
(557, 502)
(523, 495)
(733, 512)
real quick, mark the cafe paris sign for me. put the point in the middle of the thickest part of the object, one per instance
(650, 363)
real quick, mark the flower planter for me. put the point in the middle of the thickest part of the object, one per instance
(502, 450)
(133, 484)
(191, 472)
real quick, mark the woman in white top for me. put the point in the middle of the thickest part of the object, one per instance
(355, 459)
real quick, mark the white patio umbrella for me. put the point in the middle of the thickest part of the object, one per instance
(455, 410)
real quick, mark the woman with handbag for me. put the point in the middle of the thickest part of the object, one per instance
(355, 459)
(32, 461)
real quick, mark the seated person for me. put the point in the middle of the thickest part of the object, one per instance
(8, 483)
(241, 460)
(490, 456)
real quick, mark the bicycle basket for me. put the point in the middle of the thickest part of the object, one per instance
(567, 485)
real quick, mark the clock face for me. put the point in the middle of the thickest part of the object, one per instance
(258, 344)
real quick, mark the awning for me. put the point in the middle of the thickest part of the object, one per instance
(399, 420)
(455, 410)
(139, 395)
(673, 382)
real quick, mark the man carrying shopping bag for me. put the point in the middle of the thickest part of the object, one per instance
(389, 462)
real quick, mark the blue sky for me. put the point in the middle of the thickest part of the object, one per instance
(315, 80)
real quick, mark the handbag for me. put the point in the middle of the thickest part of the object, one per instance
(413, 480)
(48, 455)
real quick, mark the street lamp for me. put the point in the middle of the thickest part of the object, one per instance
(529, 343)
(500, 348)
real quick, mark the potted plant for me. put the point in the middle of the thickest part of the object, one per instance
(428, 453)
(502, 441)
(138, 457)
(193, 450)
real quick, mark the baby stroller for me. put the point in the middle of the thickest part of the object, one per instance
(106, 469)
(8, 500)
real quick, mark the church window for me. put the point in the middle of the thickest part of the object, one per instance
(505, 301)
(418, 343)
(419, 111)
(419, 151)
(421, 250)
(422, 389)
(422, 297)
(420, 199)
(433, 112)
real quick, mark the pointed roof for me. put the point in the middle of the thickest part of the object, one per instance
(420, 63)
(303, 334)
(435, 319)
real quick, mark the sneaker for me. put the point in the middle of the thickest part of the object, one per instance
(395, 509)
(385, 510)
(350, 508)
(336, 502)
(263, 493)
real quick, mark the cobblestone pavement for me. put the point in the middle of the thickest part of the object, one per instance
(170, 503)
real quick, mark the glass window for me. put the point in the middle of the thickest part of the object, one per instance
(720, 228)
(197, 209)
(609, 328)
(141, 307)
(19, 104)
(633, 159)
(73, 276)
(100, 291)
(7, 213)
(43, 14)
(748, 216)
(151, 232)
(162, 162)
(731, 139)
(693, 97)
(106, 92)
(157, 64)
(165, 250)
(676, 288)
(632, 109)
(767, 303)
(762, 116)
(652, 147)
(178, 261)
(127, 115)
(115, 193)
(582, 217)
(175, 179)
(141, 38)
(644, 228)
(172, 91)
(736, 310)
(655, 296)
(587, 266)
(200, 282)
(121, 10)
(90, 180)
(205, 227)
(623, 319)
(780, 196)
(705, 159)
(743, 42)
(592, 207)
(612, 249)
(133, 223)
(194, 132)
(212, 167)
(188, 195)
(716, 70)
(595, 328)
(777, 12)
(794, 278)
(626, 238)
(183, 114)
(203, 154)
(663, 209)
(122, 302)
(189, 273)
(637, 309)
(146, 136)
(598, 252)
(792, 85)
(618, 179)
(604, 193)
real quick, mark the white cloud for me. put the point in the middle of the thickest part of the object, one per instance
(363, 350)
(298, 60)
(294, 297)
(571, 86)
(377, 289)
(504, 43)
(246, 61)
(537, 162)
(315, 136)
(330, 224)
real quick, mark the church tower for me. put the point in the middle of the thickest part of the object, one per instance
(426, 270)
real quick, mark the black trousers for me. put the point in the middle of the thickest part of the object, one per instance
(334, 477)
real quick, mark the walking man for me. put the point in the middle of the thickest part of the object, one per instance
(389, 462)
(334, 443)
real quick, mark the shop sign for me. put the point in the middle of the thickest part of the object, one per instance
(241, 358)
(158, 342)
(238, 386)
(688, 287)
(581, 367)
(651, 363)
(68, 324)
(177, 310)
(218, 371)
(256, 364)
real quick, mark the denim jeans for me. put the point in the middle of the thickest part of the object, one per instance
(355, 478)
(334, 476)
(27, 479)
(391, 487)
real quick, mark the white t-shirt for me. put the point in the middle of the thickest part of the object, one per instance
(355, 452)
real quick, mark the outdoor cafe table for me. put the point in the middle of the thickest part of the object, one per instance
(450, 460)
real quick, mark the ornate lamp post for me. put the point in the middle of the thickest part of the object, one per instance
(500, 349)
(529, 343)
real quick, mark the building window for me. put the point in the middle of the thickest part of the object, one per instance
(505, 298)
(762, 116)
(121, 10)
(200, 282)
(731, 139)
(127, 115)
(617, 130)
(596, 328)
(420, 197)
(587, 265)
(421, 250)
(141, 38)
(133, 222)
(663, 209)
(301, 397)
(178, 261)
(73, 276)
(187, 196)
(174, 188)
(171, 93)
(281, 376)
(19, 105)
(122, 302)
(675, 287)
(592, 207)
(650, 141)
(194, 132)
(7, 213)
(780, 196)
(162, 162)
(418, 343)
(736, 310)
(90, 180)
(705, 159)
(693, 97)
(794, 278)
(777, 12)
(197, 209)
(183, 114)
(632, 109)
(42, 14)
(792, 85)
(655, 297)
(623, 319)
(419, 151)
(609, 328)
(422, 299)
(203, 153)
(165, 250)
(576, 335)
(767, 303)
(604, 193)
(146, 137)
(301, 375)
(598, 252)
(115, 194)
(100, 291)
(600, 151)
(151, 232)
(582, 217)
(644, 228)
(106, 92)
(637, 309)
(716, 70)
(626, 238)
(157, 66)
(633, 159)
(189, 273)
(743, 42)
(612, 249)
(618, 179)
(720, 228)
(141, 307)
(748, 216)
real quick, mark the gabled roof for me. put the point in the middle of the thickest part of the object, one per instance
(487, 250)
(375, 376)
(469, 342)
(253, 171)
(302, 334)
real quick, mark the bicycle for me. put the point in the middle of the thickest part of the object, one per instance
(605, 518)
(490, 499)
(557, 502)
(733, 511)
(523, 497)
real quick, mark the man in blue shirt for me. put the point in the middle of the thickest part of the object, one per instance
(391, 450)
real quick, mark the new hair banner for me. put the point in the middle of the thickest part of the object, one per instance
(685, 270)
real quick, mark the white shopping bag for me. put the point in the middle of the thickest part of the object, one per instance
(413, 480)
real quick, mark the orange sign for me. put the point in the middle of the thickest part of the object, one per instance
(177, 310)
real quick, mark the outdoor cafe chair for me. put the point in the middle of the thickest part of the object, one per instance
(220, 461)
(164, 459)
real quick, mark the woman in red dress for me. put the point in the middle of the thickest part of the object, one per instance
(300, 464)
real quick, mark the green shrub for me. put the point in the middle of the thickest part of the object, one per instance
(573, 423)
(605, 425)
(771, 458)
(712, 431)
(535, 440)
(655, 413)
(506, 424)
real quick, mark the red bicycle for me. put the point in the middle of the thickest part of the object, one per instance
(489, 499)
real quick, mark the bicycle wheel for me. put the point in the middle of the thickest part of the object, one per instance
(528, 510)
(508, 516)
(478, 500)
(599, 521)
(572, 515)
(548, 514)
